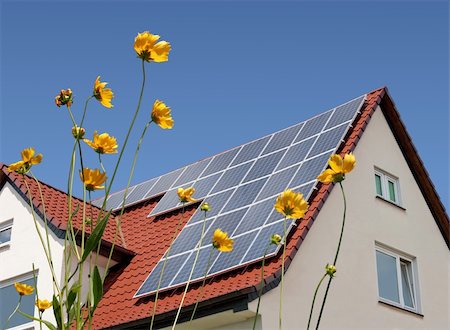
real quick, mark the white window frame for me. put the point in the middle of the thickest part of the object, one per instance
(5, 225)
(399, 258)
(385, 179)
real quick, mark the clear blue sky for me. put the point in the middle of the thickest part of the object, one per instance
(238, 70)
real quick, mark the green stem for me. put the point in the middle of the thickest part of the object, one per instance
(200, 296)
(14, 312)
(191, 273)
(335, 257)
(71, 117)
(314, 299)
(280, 315)
(261, 285)
(85, 108)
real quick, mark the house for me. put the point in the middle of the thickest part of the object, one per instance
(393, 267)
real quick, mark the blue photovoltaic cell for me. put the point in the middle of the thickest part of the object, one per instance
(115, 200)
(220, 162)
(164, 183)
(204, 186)
(190, 236)
(345, 112)
(296, 153)
(244, 195)
(310, 169)
(327, 140)
(232, 177)
(277, 183)
(169, 201)
(140, 191)
(282, 139)
(192, 172)
(227, 223)
(206, 254)
(250, 150)
(264, 166)
(261, 242)
(313, 126)
(256, 216)
(172, 267)
(305, 189)
(233, 258)
(216, 201)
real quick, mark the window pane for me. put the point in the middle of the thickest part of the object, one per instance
(378, 185)
(408, 293)
(392, 191)
(5, 235)
(8, 301)
(387, 277)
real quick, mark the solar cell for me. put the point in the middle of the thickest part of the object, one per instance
(216, 201)
(310, 169)
(220, 162)
(327, 140)
(139, 191)
(257, 216)
(277, 183)
(204, 186)
(264, 166)
(296, 153)
(250, 150)
(164, 183)
(192, 172)
(115, 200)
(232, 177)
(244, 195)
(170, 200)
(313, 126)
(282, 139)
(345, 112)
(189, 237)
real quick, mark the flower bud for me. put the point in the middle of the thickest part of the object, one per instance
(338, 177)
(78, 132)
(330, 269)
(275, 239)
(64, 98)
(205, 207)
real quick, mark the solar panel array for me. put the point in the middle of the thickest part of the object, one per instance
(241, 185)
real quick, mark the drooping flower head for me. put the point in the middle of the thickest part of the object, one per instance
(205, 207)
(338, 168)
(185, 195)
(275, 239)
(103, 143)
(78, 132)
(42, 305)
(221, 241)
(103, 94)
(64, 97)
(93, 179)
(28, 160)
(148, 49)
(161, 115)
(291, 204)
(23, 289)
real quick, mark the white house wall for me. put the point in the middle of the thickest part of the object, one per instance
(353, 298)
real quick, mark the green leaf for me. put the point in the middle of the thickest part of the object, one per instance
(95, 237)
(57, 311)
(72, 295)
(47, 323)
(97, 287)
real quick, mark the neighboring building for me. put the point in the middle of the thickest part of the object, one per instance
(392, 270)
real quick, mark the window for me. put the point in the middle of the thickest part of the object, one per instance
(396, 279)
(5, 232)
(8, 302)
(387, 186)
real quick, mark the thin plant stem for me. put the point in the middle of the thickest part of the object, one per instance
(191, 273)
(85, 108)
(164, 267)
(200, 296)
(37, 294)
(71, 116)
(314, 299)
(261, 285)
(336, 255)
(280, 315)
(14, 312)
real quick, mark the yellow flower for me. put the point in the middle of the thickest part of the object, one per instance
(275, 239)
(147, 47)
(222, 242)
(104, 95)
(205, 207)
(339, 167)
(291, 204)
(330, 270)
(23, 289)
(93, 179)
(42, 305)
(78, 132)
(186, 194)
(161, 115)
(64, 98)
(28, 160)
(103, 143)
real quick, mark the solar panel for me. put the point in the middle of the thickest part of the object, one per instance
(241, 185)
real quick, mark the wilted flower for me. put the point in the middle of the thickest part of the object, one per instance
(42, 305)
(104, 95)
(93, 179)
(28, 160)
(205, 207)
(185, 195)
(78, 132)
(339, 167)
(291, 204)
(330, 269)
(161, 115)
(64, 98)
(275, 239)
(221, 241)
(23, 289)
(103, 143)
(147, 47)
